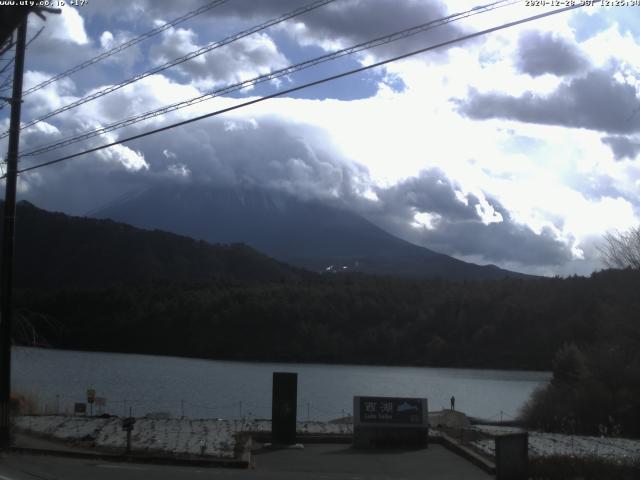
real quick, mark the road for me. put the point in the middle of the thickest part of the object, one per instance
(326, 462)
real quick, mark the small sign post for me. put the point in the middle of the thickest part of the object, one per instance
(100, 402)
(79, 408)
(127, 426)
(91, 396)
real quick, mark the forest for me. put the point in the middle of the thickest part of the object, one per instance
(508, 323)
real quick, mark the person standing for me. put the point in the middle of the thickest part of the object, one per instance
(453, 402)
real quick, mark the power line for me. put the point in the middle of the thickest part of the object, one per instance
(7, 65)
(11, 60)
(306, 85)
(126, 45)
(178, 61)
(9, 44)
(271, 76)
(36, 35)
(5, 84)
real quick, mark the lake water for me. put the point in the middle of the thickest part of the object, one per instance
(211, 389)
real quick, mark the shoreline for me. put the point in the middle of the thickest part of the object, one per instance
(283, 362)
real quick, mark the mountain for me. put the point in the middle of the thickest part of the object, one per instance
(302, 233)
(57, 250)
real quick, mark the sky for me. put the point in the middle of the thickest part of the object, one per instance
(519, 148)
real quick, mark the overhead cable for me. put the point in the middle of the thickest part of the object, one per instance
(178, 61)
(125, 45)
(304, 86)
(270, 76)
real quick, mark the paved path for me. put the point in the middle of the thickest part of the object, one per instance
(344, 462)
(326, 462)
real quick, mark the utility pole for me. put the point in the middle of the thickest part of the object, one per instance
(8, 237)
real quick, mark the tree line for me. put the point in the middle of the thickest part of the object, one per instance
(509, 323)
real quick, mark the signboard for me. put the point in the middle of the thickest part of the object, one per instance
(80, 408)
(391, 410)
(91, 395)
(390, 421)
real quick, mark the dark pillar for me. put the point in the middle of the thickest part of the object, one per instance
(6, 275)
(284, 408)
(512, 456)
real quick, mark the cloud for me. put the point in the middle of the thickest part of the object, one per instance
(125, 59)
(463, 224)
(540, 53)
(243, 59)
(622, 147)
(430, 192)
(337, 24)
(268, 151)
(68, 27)
(62, 42)
(596, 101)
(334, 26)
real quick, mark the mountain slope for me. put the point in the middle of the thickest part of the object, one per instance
(305, 234)
(53, 249)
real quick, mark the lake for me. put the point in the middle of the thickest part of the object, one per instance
(211, 389)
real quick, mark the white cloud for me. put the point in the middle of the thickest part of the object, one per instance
(125, 156)
(67, 27)
(179, 170)
(241, 60)
(168, 154)
(425, 220)
(106, 40)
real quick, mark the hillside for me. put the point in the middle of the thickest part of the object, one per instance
(57, 250)
(307, 234)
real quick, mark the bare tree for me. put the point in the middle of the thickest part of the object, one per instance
(621, 249)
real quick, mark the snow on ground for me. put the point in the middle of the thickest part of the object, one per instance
(162, 435)
(178, 436)
(547, 444)
(315, 428)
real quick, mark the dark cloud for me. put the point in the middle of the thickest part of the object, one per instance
(622, 147)
(539, 53)
(498, 242)
(459, 230)
(431, 192)
(269, 152)
(595, 101)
